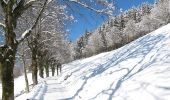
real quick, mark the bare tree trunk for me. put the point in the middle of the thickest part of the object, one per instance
(47, 70)
(12, 12)
(26, 78)
(40, 68)
(8, 78)
(53, 73)
(57, 70)
(41, 71)
(34, 69)
(53, 70)
(8, 61)
(0, 70)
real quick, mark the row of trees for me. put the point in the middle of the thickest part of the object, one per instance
(47, 40)
(123, 28)
(32, 33)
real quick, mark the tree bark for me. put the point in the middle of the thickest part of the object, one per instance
(26, 78)
(47, 70)
(41, 71)
(34, 69)
(0, 70)
(53, 70)
(57, 71)
(7, 77)
(9, 53)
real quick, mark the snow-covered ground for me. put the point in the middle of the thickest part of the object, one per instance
(137, 71)
(19, 85)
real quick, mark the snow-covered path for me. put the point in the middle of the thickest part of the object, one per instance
(138, 71)
(54, 90)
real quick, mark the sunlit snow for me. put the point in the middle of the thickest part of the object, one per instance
(137, 71)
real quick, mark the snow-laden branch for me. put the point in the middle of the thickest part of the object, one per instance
(3, 26)
(49, 1)
(24, 35)
(29, 3)
(45, 40)
(5, 1)
(28, 32)
(20, 8)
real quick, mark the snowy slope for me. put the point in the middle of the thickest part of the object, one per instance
(137, 71)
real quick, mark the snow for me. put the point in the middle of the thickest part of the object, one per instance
(19, 85)
(36, 93)
(25, 33)
(137, 71)
(6, 1)
(49, 1)
(3, 25)
(30, 1)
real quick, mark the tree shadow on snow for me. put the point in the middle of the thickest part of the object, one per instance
(139, 48)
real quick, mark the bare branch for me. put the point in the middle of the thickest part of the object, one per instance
(86, 6)
(103, 11)
(28, 4)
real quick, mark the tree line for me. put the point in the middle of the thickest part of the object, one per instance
(122, 29)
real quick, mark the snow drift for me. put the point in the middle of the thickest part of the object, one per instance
(139, 70)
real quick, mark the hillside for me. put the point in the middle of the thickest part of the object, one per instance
(137, 71)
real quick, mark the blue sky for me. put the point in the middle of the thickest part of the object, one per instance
(89, 21)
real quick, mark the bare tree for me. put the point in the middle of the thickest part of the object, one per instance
(23, 53)
(12, 11)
